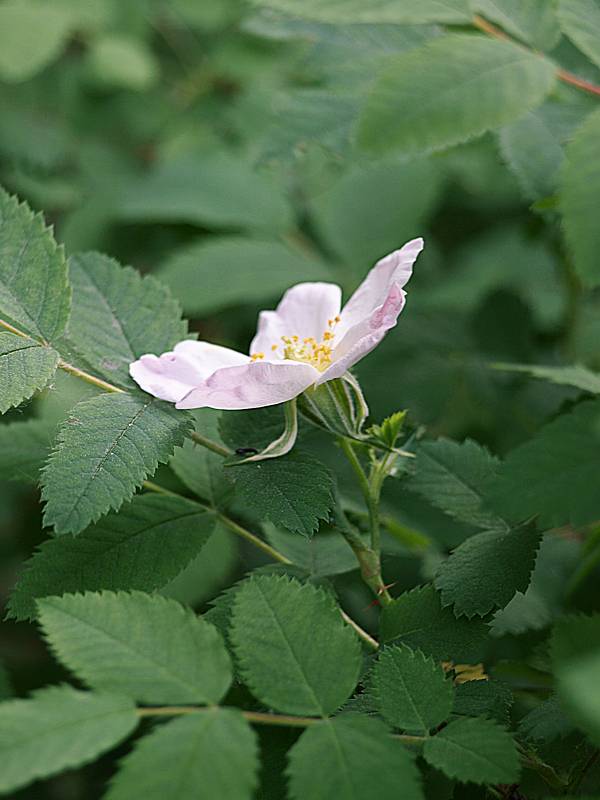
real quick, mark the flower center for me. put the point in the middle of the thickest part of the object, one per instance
(308, 350)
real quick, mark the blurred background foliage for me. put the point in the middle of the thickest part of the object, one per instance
(214, 144)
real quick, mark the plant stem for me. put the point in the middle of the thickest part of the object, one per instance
(562, 74)
(85, 376)
(252, 538)
(217, 448)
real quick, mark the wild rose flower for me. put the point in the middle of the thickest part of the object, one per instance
(308, 340)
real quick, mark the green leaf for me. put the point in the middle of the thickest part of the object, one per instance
(118, 315)
(456, 87)
(577, 375)
(486, 570)
(34, 292)
(25, 368)
(207, 755)
(143, 546)
(580, 21)
(255, 428)
(575, 651)
(412, 691)
(417, 619)
(351, 757)
(106, 448)
(580, 196)
(278, 621)
(453, 477)
(400, 12)
(32, 34)
(57, 729)
(145, 646)
(212, 274)
(24, 447)
(555, 473)
(547, 722)
(118, 61)
(368, 212)
(217, 190)
(474, 750)
(294, 491)
(532, 21)
(483, 698)
(326, 553)
(200, 469)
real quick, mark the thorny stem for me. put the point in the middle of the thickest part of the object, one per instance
(562, 74)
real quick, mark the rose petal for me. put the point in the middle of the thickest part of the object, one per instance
(253, 385)
(304, 311)
(177, 372)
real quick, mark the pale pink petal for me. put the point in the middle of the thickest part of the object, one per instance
(304, 311)
(365, 335)
(396, 268)
(253, 385)
(177, 372)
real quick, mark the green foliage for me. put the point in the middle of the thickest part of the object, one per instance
(418, 619)
(25, 367)
(452, 89)
(118, 316)
(256, 270)
(351, 756)
(327, 553)
(34, 292)
(24, 447)
(58, 728)
(579, 196)
(294, 491)
(454, 478)
(105, 450)
(532, 21)
(575, 650)
(474, 750)
(377, 11)
(412, 691)
(578, 376)
(201, 756)
(143, 546)
(485, 698)
(547, 722)
(529, 481)
(122, 62)
(144, 646)
(484, 572)
(580, 21)
(276, 620)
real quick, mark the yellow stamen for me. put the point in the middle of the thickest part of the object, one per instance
(257, 356)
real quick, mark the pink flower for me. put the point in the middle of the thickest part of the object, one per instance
(306, 341)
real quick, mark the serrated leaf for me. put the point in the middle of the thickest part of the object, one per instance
(483, 698)
(255, 428)
(32, 34)
(34, 292)
(25, 368)
(278, 621)
(417, 619)
(580, 196)
(118, 316)
(486, 570)
(326, 553)
(217, 190)
(580, 21)
(453, 477)
(105, 450)
(412, 691)
(223, 271)
(554, 474)
(203, 756)
(547, 722)
(577, 375)
(24, 447)
(454, 88)
(575, 651)
(349, 757)
(400, 12)
(474, 750)
(200, 469)
(294, 491)
(57, 729)
(143, 546)
(144, 646)
(532, 21)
